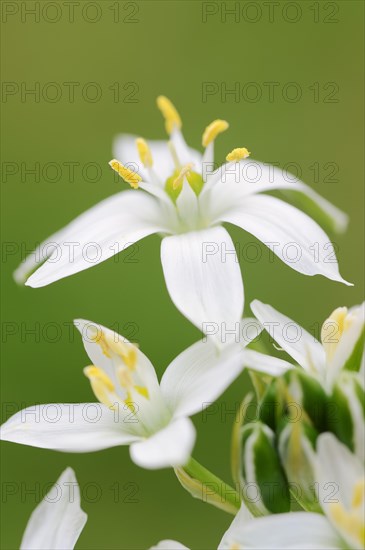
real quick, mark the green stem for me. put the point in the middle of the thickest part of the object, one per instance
(202, 484)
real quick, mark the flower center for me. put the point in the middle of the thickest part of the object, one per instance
(124, 358)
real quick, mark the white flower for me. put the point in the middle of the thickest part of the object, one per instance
(179, 195)
(341, 483)
(58, 520)
(342, 338)
(135, 409)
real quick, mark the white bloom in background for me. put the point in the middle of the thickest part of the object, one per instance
(178, 195)
(340, 478)
(135, 409)
(58, 520)
(342, 338)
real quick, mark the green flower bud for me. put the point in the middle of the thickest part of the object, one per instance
(304, 398)
(263, 483)
(346, 412)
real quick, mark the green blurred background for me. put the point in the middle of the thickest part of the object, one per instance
(170, 48)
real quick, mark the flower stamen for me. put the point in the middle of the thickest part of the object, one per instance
(213, 130)
(101, 385)
(238, 154)
(170, 114)
(183, 172)
(144, 152)
(125, 173)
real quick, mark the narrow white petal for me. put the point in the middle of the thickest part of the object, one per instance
(58, 520)
(187, 206)
(99, 233)
(241, 519)
(292, 235)
(291, 337)
(203, 278)
(291, 531)
(170, 447)
(199, 375)
(186, 154)
(251, 176)
(71, 427)
(169, 545)
(341, 474)
(346, 342)
(265, 363)
(338, 473)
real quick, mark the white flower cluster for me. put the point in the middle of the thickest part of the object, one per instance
(296, 444)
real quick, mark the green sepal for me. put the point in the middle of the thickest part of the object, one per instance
(353, 363)
(306, 393)
(261, 466)
(346, 410)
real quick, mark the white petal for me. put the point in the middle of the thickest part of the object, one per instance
(338, 472)
(71, 427)
(187, 205)
(242, 517)
(169, 545)
(294, 339)
(265, 363)
(251, 177)
(293, 236)
(96, 235)
(341, 472)
(291, 531)
(184, 153)
(171, 446)
(347, 341)
(58, 520)
(198, 376)
(203, 278)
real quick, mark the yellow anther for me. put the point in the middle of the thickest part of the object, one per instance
(170, 114)
(144, 152)
(111, 343)
(96, 372)
(333, 329)
(213, 130)
(128, 175)
(183, 172)
(101, 385)
(358, 494)
(142, 390)
(238, 154)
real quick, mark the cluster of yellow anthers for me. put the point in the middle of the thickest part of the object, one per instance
(173, 122)
(125, 355)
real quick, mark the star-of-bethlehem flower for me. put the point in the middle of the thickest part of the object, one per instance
(58, 520)
(342, 336)
(341, 527)
(135, 409)
(177, 194)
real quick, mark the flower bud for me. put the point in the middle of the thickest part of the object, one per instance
(346, 414)
(262, 480)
